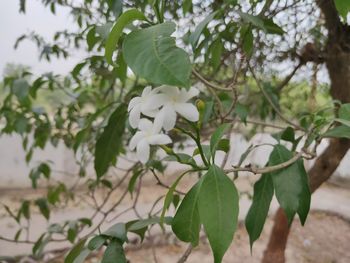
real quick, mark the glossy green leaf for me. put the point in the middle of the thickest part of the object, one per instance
(75, 252)
(114, 253)
(186, 223)
(117, 29)
(109, 144)
(271, 27)
(290, 184)
(258, 211)
(152, 54)
(218, 210)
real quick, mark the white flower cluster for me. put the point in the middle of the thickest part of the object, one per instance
(162, 104)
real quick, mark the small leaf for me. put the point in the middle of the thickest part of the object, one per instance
(186, 222)
(271, 27)
(140, 232)
(109, 144)
(224, 145)
(218, 210)
(242, 112)
(258, 211)
(117, 29)
(344, 111)
(114, 253)
(152, 54)
(194, 37)
(43, 207)
(343, 7)
(216, 137)
(117, 231)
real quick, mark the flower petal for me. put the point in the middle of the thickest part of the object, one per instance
(166, 118)
(188, 111)
(159, 139)
(136, 139)
(142, 151)
(145, 125)
(133, 102)
(169, 90)
(134, 116)
(146, 91)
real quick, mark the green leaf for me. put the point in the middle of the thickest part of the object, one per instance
(258, 211)
(223, 145)
(109, 144)
(43, 207)
(117, 231)
(271, 27)
(218, 210)
(20, 88)
(97, 242)
(169, 196)
(342, 121)
(247, 39)
(81, 258)
(216, 51)
(186, 6)
(341, 131)
(254, 20)
(140, 232)
(139, 224)
(186, 223)
(117, 29)
(75, 252)
(152, 54)
(291, 184)
(132, 181)
(216, 137)
(114, 253)
(194, 37)
(343, 7)
(344, 111)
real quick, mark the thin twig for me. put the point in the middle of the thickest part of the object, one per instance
(187, 253)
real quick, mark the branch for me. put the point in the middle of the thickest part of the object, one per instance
(296, 126)
(267, 169)
(186, 254)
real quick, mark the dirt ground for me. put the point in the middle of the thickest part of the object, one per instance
(324, 239)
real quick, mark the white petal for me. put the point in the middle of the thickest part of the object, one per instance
(146, 91)
(187, 95)
(136, 139)
(188, 111)
(166, 118)
(133, 102)
(142, 151)
(145, 125)
(152, 102)
(134, 116)
(159, 139)
(169, 90)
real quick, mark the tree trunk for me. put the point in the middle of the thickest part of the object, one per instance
(337, 58)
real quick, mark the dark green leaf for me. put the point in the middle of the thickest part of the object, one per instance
(43, 207)
(109, 144)
(117, 231)
(344, 111)
(218, 210)
(114, 253)
(97, 242)
(152, 54)
(242, 112)
(186, 222)
(343, 7)
(290, 184)
(256, 217)
(75, 252)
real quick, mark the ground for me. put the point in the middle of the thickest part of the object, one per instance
(324, 239)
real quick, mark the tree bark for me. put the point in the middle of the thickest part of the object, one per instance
(337, 59)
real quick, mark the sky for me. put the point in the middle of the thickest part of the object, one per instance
(41, 20)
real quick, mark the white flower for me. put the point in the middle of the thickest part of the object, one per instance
(148, 135)
(176, 101)
(148, 104)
